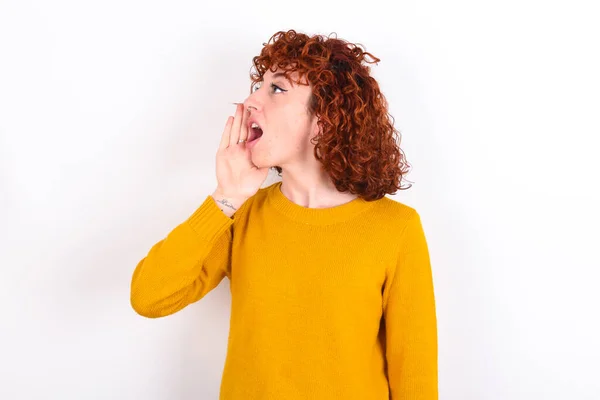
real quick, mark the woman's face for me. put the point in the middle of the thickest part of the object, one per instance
(281, 109)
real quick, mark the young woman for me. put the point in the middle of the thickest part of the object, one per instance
(331, 283)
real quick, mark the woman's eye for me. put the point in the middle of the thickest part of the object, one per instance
(275, 87)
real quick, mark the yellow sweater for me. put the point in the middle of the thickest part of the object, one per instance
(334, 303)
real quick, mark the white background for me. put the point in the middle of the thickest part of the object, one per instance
(110, 116)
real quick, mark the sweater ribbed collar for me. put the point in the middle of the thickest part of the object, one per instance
(315, 216)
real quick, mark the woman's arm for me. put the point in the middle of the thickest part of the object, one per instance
(410, 317)
(186, 265)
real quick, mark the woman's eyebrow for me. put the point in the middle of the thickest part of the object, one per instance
(281, 74)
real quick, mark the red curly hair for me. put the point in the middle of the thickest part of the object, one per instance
(357, 144)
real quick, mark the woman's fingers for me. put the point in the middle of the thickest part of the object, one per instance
(226, 132)
(244, 127)
(237, 123)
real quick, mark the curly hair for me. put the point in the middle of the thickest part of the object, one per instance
(357, 143)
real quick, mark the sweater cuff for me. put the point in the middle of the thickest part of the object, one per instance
(208, 221)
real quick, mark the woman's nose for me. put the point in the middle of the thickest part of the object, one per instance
(251, 103)
(250, 107)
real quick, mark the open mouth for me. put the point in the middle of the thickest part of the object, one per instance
(255, 132)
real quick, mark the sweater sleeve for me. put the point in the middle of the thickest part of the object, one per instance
(186, 265)
(410, 320)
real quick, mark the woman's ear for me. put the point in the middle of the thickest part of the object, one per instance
(315, 128)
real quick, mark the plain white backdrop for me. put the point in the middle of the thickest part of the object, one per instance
(110, 116)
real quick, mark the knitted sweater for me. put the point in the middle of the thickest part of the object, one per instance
(330, 303)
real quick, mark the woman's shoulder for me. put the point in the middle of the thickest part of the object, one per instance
(395, 209)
